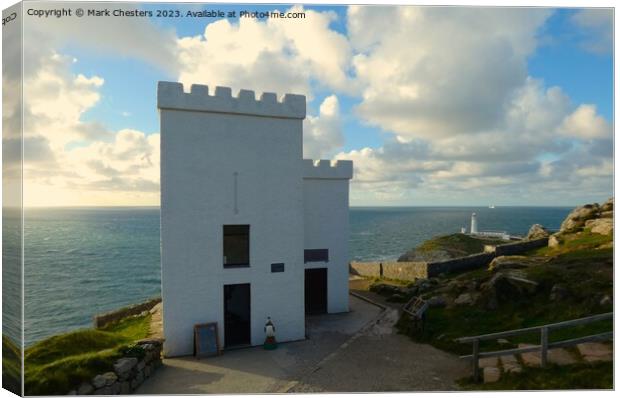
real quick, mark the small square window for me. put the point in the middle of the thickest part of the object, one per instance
(316, 255)
(236, 245)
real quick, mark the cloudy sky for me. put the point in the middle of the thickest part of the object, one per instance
(435, 106)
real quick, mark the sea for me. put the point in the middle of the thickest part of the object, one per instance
(79, 262)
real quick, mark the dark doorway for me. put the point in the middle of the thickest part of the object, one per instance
(236, 315)
(316, 291)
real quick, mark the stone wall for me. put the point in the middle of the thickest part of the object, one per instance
(128, 373)
(460, 264)
(406, 270)
(113, 316)
(370, 269)
(520, 247)
(410, 271)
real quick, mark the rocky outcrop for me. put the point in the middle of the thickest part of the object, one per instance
(578, 218)
(603, 226)
(537, 231)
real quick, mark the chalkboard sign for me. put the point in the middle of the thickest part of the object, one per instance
(206, 340)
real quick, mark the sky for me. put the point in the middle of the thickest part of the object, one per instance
(435, 106)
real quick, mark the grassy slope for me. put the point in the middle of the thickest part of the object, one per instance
(455, 245)
(579, 264)
(59, 363)
(11, 366)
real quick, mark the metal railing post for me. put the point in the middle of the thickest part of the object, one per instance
(544, 343)
(476, 347)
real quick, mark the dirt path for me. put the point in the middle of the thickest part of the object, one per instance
(156, 330)
(378, 359)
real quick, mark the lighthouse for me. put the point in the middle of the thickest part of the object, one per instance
(474, 224)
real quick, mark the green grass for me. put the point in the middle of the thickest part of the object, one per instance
(11, 366)
(584, 241)
(456, 245)
(579, 264)
(578, 376)
(60, 363)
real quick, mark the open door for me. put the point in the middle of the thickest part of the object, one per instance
(237, 324)
(316, 291)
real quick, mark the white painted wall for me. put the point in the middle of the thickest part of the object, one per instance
(326, 225)
(290, 204)
(200, 151)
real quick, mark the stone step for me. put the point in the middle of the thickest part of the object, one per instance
(557, 356)
(488, 362)
(510, 364)
(595, 352)
(490, 374)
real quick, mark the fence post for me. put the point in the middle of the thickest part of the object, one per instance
(544, 342)
(475, 360)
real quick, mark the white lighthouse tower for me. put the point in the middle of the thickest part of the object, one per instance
(474, 224)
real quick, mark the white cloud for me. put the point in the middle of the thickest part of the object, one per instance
(72, 162)
(433, 72)
(596, 25)
(136, 38)
(323, 133)
(281, 55)
(585, 123)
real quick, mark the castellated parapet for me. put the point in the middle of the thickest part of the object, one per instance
(170, 95)
(328, 170)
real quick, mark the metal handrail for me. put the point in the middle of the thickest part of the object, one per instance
(544, 345)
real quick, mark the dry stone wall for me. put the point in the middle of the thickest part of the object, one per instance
(102, 320)
(410, 271)
(128, 373)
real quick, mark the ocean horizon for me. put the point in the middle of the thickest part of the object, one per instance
(82, 261)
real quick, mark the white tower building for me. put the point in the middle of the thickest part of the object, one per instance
(249, 229)
(474, 224)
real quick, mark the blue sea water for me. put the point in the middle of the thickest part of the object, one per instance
(84, 261)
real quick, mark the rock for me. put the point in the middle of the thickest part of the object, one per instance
(503, 341)
(508, 286)
(85, 389)
(386, 289)
(98, 381)
(487, 299)
(560, 356)
(603, 226)
(397, 298)
(464, 299)
(606, 300)
(531, 359)
(488, 362)
(140, 377)
(594, 352)
(537, 231)
(107, 390)
(72, 392)
(559, 292)
(124, 365)
(508, 262)
(115, 388)
(490, 375)
(140, 366)
(510, 364)
(578, 217)
(554, 241)
(110, 378)
(608, 206)
(607, 214)
(125, 388)
(436, 302)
